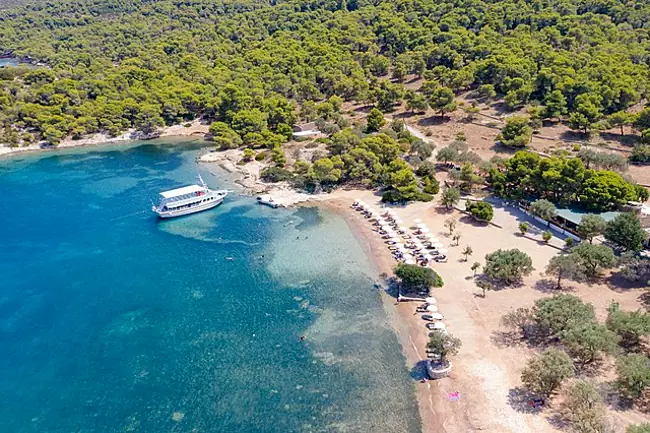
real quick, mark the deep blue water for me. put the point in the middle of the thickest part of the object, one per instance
(113, 321)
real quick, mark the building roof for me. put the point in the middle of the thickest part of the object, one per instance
(575, 215)
(190, 189)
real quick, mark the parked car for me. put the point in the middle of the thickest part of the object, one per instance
(436, 326)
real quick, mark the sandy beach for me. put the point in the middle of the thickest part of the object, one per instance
(486, 372)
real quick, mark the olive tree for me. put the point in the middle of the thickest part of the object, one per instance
(594, 257)
(564, 266)
(543, 209)
(639, 428)
(415, 277)
(588, 341)
(633, 375)
(507, 266)
(591, 226)
(450, 197)
(584, 408)
(626, 231)
(560, 313)
(545, 373)
(443, 344)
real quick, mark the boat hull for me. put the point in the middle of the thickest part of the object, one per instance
(188, 211)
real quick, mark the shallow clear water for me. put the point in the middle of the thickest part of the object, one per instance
(8, 61)
(113, 321)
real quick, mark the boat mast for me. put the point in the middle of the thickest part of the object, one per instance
(202, 182)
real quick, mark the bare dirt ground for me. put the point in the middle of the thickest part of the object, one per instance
(487, 369)
(481, 132)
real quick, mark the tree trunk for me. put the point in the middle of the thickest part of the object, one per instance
(559, 279)
(622, 132)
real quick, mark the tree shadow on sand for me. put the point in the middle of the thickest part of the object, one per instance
(514, 338)
(558, 421)
(466, 219)
(549, 285)
(519, 398)
(419, 371)
(503, 339)
(442, 210)
(623, 140)
(617, 283)
(433, 121)
(644, 299)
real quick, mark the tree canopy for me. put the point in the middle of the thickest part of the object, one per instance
(626, 231)
(545, 373)
(507, 266)
(561, 180)
(591, 226)
(109, 72)
(481, 210)
(415, 277)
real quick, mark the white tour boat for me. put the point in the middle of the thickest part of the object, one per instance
(188, 200)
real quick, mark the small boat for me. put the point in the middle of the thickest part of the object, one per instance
(188, 200)
(267, 200)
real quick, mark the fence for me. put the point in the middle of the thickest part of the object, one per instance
(552, 226)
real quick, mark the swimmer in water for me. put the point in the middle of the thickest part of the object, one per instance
(302, 338)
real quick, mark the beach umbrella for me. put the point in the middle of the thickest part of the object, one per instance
(431, 238)
(402, 229)
(437, 245)
(424, 230)
(385, 228)
(417, 220)
(409, 261)
(408, 256)
(442, 251)
(431, 300)
(439, 326)
(436, 316)
(427, 257)
(397, 221)
(432, 309)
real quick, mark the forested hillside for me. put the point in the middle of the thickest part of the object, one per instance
(119, 64)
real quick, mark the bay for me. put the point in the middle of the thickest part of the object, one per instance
(112, 320)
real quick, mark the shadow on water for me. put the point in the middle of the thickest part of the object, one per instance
(310, 217)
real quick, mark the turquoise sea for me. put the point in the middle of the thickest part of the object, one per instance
(8, 61)
(113, 321)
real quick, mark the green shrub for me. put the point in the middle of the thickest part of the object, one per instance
(276, 174)
(481, 210)
(414, 277)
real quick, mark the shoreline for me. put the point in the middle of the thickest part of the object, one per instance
(196, 128)
(432, 415)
